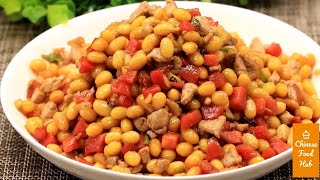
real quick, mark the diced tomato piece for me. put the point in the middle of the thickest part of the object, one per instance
(218, 79)
(274, 49)
(158, 78)
(85, 65)
(296, 119)
(190, 119)
(65, 87)
(260, 121)
(212, 22)
(87, 96)
(178, 85)
(94, 144)
(238, 98)
(207, 168)
(214, 150)
(40, 134)
(151, 90)
(70, 143)
(269, 153)
(232, 137)
(144, 79)
(261, 132)
(128, 147)
(80, 128)
(278, 145)
(194, 12)
(190, 73)
(133, 46)
(260, 105)
(50, 139)
(211, 60)
(124, 101)
(32, 87)
(121, 88)
(79, 159)
(170, 140)
(246, 151)
(271, 107)
(129, 78)
(212, 112)
(186, 26)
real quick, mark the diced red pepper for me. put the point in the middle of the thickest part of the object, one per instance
(214, 150)
(261, 132)
(296, 119)
(274, 49)
(65, 87)
(124, 101)
(79, 159)
(80, 128)
(232, 137)
(186, 26)
(32, 87)
(278, 145)
(260, 121)
(121, 88)
(170, 140)
(211, 60)
(190, 73)
(158, 78)
(260, 105)
(218, 79)
(87, 96)
(50, 139)
(128, 147)
(271, 107)
(133, 46)
(194, 12)
(129, 78)
(238, 99)
(144, 79)
(151, 90)
(212, 112)
(94, 144)
(178, 85)
(269, 153)
(190, 119)
(85, 65)
(40, 134)
(70, 143)
(207, 168)
(246, 151)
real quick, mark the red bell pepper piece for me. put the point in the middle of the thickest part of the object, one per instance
(128, 147)
(158, 78)
(238, 98)
(296, 119)
(211, 60)
(79, 159)
(207, 168)
(121, 88)
(214, 150)
(271, 107)
(32, 87)
(278, 145)
(186, 26)
(133, 46)
(144, 79)
(178, 85)
(190, 119)
(170, 140)
(212, 112)
(129, 78)
(261, 132)
(260, 121)
(246, 151)
(194, 12)
(124, 101)
(85, 65)
(269, 153)
(70, 143)
(50, 139)
(232, 137)
(151, 90)
(190, 73)
(94, 144)
(40, 134)
(260, 105)
(80, 128)
(218, 79)
(274, 49)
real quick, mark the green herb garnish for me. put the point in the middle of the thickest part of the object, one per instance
(52, 58)
(263, 78)
(195, 22)
(224, 49)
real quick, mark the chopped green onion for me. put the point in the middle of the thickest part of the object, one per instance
(263, 78)
(146, 139)
(224, 49)
(52, 58)
(195, 22)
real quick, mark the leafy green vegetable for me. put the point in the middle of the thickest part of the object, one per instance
(52, 58)
(15, 16)
(26, 3)
(69, 3)
(58, 14)
(34, 13)
(11, 6)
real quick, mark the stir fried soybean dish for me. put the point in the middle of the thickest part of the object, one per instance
(169, 92)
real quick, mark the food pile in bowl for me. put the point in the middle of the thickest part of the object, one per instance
(169, 92)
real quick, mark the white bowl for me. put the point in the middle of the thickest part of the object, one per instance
(247, 23)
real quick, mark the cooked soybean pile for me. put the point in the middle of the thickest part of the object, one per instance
(169, 92)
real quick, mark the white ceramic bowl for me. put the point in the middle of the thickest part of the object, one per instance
(247, 23)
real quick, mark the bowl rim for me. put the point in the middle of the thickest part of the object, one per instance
(35, 145)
